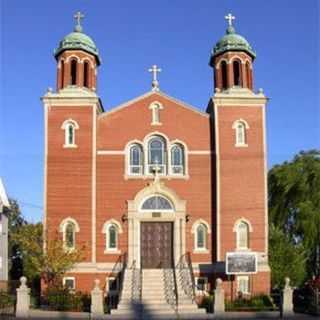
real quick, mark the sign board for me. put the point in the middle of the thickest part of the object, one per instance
(241, 263)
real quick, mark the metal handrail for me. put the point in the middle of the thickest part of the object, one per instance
(186, 276)
(170, 288)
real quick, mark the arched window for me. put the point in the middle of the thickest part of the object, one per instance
(136, 159)
(86, 74)
(70, 236)
(73, 72)
(112, 237)
(242, 235)
(62, 74)
(240, 127)
(69, 126)
(237, 73)
(248, 72)
(224, 75)
(201, 237)
(157, 155)
(112, 228)
(156, 203)
(177, 159)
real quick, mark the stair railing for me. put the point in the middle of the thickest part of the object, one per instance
(136, 283)
(170, 288)
(186, 276)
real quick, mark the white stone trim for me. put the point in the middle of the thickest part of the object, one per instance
(110, 222)
(198, 222)
(218, 65)
(160, 93)
(71, 57)
(238, 221)
(234, 125)
(93, 187)
(194, 228)
(45, 177)
(86, 59)
(199, 152)
(216, 128)
(245, 126)
(236, 57)
(111, 152)
(266, 215)
(64, 127)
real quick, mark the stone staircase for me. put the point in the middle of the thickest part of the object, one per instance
(151, 294)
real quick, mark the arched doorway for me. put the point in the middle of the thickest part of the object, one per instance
(156, 227)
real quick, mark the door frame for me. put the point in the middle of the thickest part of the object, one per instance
(136, 216)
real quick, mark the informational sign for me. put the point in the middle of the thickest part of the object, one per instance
(241, 262)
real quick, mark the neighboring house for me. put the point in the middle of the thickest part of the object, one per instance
(156, 180)
(4, 209)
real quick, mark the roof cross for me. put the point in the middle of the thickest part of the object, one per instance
(230, 17)
(78, 17)
(155, 83)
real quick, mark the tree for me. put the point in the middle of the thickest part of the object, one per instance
(294, 204)
(50, 264)
(286, 259)
(15, 222)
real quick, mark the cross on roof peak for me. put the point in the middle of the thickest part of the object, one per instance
(230, 18)
(155, 83)
(78, 17)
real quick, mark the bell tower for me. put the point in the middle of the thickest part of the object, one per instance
(77, 59)
(232, 59)
(239, 149)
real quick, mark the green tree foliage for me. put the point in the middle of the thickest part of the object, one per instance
(294, 204)
(286, 259)
(49, 264)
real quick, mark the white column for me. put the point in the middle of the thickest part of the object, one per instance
(287, 304)
(219, 307)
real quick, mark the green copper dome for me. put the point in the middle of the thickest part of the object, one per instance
(77, 40)
(232, 41)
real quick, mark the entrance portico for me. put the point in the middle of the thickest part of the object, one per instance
(138, 214)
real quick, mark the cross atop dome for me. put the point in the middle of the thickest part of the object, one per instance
(78, 17)
(230, 18)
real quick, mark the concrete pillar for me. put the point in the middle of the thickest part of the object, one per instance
(287, 301)
(219, 307)
(97, 304)
(23, 299)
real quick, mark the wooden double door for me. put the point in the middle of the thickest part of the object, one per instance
(156, 245)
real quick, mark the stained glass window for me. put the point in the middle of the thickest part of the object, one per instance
(70, 236)
(177, 159)
(157, 203)
(112, 237)
(136, 159)
(157, 154)
(201, 236)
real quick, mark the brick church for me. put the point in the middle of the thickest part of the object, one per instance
(156, 184)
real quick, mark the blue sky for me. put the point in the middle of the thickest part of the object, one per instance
(131, 36)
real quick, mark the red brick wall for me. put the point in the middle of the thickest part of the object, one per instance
(69, 173)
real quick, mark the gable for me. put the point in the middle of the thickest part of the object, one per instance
(134, 120)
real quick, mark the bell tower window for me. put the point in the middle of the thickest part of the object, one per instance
(62, 74)
(248, 72)
(86, 74)
(224, 75)
(73, 72)
(236, 73)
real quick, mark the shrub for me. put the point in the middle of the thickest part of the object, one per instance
(7, 302)
(62, 299)
(207, 303)
(257, 303)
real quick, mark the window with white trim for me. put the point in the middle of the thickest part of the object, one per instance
(136, 160)
(70, 127)
(155, 109)
(69, 283)
(240, 127)
(69, 236)
(201, 237)
(157, 155)
(177, 159)
(243, 284)
(242, 235)
(112, 237)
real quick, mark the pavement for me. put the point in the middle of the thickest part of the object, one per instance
(45, 315)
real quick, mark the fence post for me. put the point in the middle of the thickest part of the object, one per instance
(23, 299)
(97, 305)
(287, 300)
(219, 307)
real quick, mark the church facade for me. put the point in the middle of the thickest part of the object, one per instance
(156, 183)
